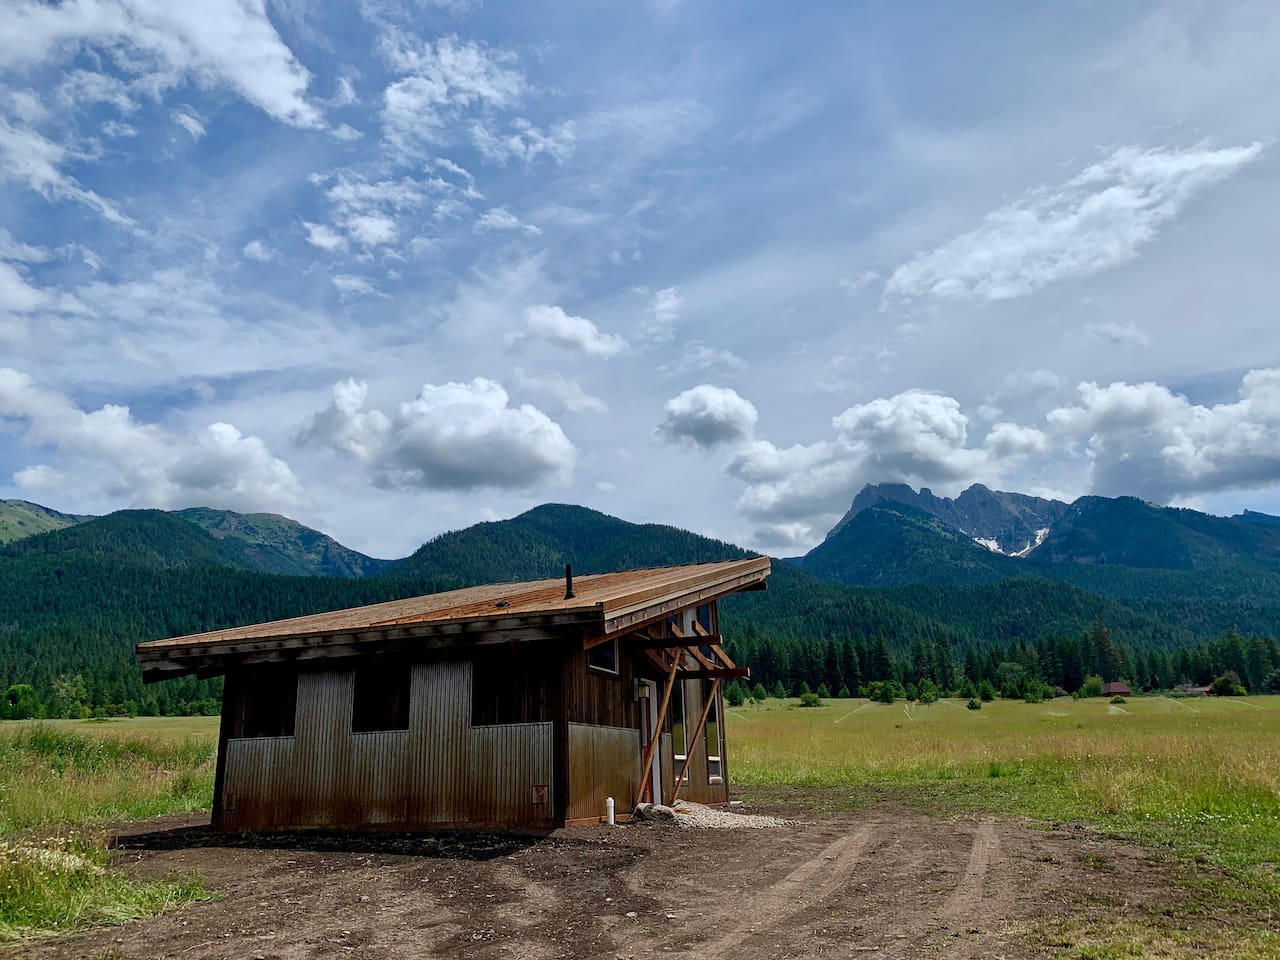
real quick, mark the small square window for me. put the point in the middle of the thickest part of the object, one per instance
(381, 699)
(604, 656)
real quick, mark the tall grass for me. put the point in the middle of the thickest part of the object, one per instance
(58, 785)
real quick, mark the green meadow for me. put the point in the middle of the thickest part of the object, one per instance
(61, 783)
(1196, 779)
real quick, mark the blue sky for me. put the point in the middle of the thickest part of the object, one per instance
(396, 266)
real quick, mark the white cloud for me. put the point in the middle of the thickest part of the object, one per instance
(229, 43)
(372, 229)
(345, 132)
(39, 476)
(353, 286)
(324, 236)
(565, 394)
(28, 158)
(189, 122)
(708, 417)
(1116, 334)
(552, 325)
(697, 357)
(257, 250)
(523, 141)
(458, 436)
(500, 218)
(664, 311)
(440, 79)
(143, 463)
(1142, 439)
(1098, 219)
(17, 295)
(852, 286)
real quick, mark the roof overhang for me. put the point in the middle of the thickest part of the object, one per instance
(607, 605)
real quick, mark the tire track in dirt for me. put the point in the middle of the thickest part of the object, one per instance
(810, 883)
(967, 895)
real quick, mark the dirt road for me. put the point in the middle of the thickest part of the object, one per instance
(885, 882)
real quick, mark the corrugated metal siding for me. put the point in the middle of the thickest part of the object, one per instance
(603, 762)
(439, 772)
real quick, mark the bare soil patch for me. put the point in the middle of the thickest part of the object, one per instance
(885, 881)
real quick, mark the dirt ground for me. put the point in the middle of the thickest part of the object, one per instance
(885, 881)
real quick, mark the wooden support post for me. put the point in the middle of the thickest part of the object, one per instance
(656, 737)
(697, 737)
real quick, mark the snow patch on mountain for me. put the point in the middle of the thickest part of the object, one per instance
(1040, 537)
(992, 545)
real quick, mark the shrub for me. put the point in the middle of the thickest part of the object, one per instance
(1271, 683)
(1118, 700)
(805, 688)
(824, 691)
(986, 692)
(974, 704)
(844, 693)
(1228, 685)
(1092, 686)
(759, 693)
(810, 699)
(880, 691)
(734, 695)
(779, 692)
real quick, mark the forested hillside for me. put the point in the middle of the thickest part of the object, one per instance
(75, 601)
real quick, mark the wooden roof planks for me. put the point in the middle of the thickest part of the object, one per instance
(603, 605)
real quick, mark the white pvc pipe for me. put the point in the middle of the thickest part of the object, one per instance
(608, 811)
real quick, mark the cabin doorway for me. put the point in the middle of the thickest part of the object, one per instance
(651, 789)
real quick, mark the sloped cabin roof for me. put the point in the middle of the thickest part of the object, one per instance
(603, 605)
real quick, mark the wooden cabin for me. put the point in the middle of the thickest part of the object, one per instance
(515, 705)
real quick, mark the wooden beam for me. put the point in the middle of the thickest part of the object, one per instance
(719, 652)
(641, 642)
(697, 738)
(651, 751)
(719, 673)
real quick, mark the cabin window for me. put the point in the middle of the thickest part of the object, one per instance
(679, 743)
(604, 656)
(269, 697)
(715, 771)
(381, 700)
(509, 685)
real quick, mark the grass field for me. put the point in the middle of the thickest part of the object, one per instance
(1198, 779)
(60, 781)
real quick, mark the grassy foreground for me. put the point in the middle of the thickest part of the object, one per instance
(59, 782)
(1199, 779)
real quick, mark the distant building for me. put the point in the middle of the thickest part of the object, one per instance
(1116, 688)
(1190, 690)
(509, 705)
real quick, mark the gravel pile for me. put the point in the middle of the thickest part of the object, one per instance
(698, 817)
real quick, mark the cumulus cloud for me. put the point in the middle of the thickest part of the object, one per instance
(1142, 439)
(228, 43)
(918, 437)
(552, 325)
(144, 463)
(1100, 218)
(458, 436)
(564, 394)
(708, 417)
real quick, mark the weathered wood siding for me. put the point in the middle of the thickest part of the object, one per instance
(603, 762)
(439, 772)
